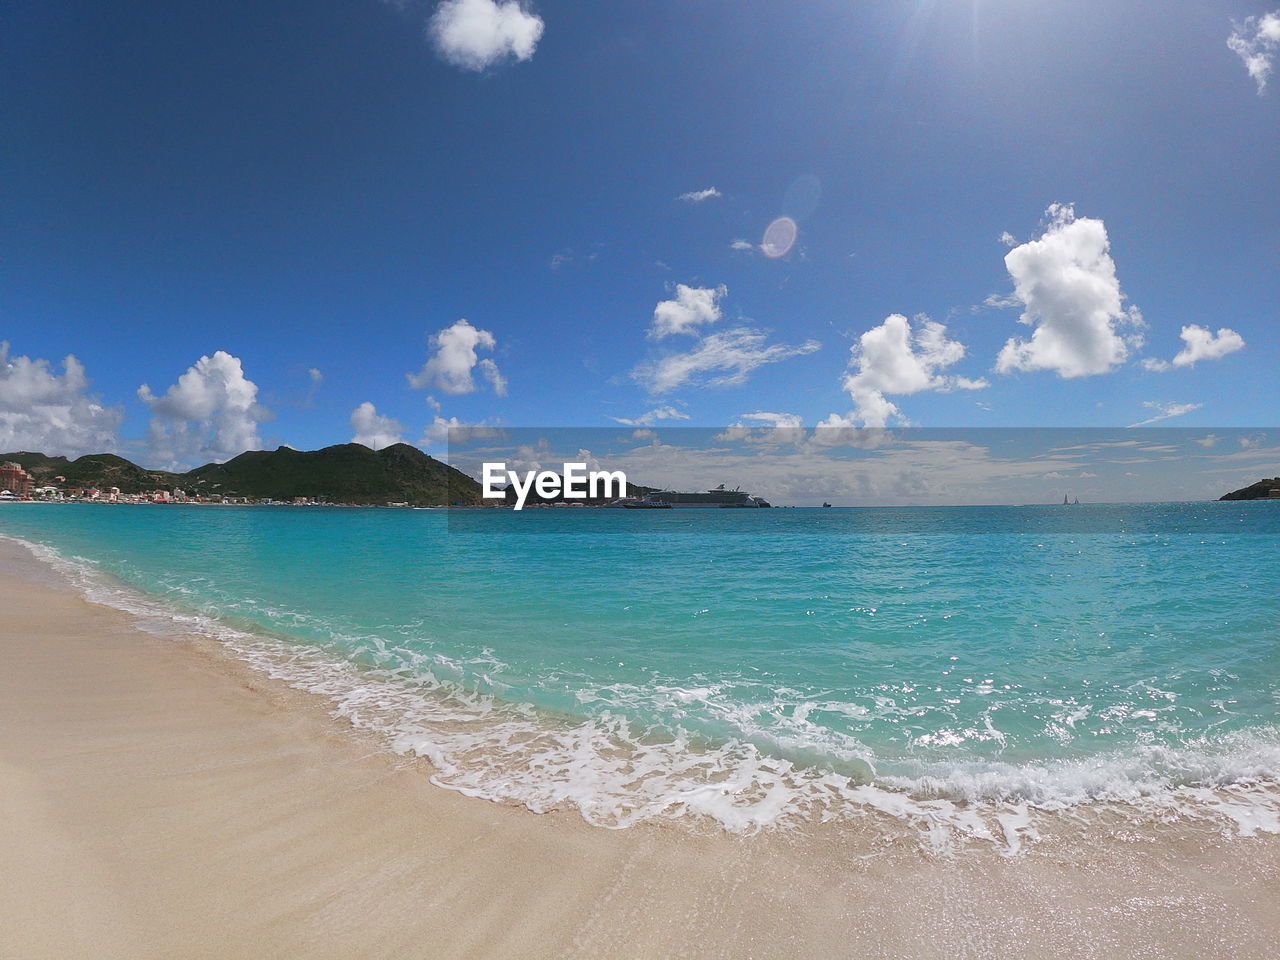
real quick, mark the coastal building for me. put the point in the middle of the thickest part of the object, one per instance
(16, 480)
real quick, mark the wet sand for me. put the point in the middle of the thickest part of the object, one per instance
(158, 799)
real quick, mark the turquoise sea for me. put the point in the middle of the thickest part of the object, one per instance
(956, 670)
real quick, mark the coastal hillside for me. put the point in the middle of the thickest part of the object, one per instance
(345, 473)
(102, 470)
(1255, 491)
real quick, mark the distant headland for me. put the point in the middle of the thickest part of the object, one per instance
(1262, 490)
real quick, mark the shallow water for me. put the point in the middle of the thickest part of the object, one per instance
(754, 667)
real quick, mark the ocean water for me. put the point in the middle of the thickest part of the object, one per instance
(958, 673)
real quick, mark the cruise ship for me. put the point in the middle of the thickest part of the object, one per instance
(717, 498)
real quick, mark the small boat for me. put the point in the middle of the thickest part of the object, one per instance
(825, 504)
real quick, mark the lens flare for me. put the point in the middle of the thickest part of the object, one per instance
(779, 238)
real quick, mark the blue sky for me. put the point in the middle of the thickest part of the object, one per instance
(329, 186)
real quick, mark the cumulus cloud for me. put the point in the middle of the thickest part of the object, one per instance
(1255, 42)
(211, 413)
(1166, 410)
(1201, 344)
(691, 308)
(47, 412)
(475, 34)
(895, 358)
(456, 356)
(733, 354)
(373, 429)
(700, 196)
(1066, 282)
(437, 432)
(652, 417)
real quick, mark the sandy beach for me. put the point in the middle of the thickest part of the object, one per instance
(158, 799)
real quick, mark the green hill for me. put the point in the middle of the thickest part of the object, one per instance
(346, 473)
(102, 470)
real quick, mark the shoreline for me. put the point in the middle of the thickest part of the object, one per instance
(163, 799)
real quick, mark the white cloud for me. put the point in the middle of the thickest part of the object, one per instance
(475, 34)
(764, 427)
(316, 378)
(699, 196)
(437, 431)
(211, 413)
(734, 353)
(894, 358)
(490, 371)
(652, 417)
(1008, 239)
(691, 308)
(1255, 42)
(450, 367)
(745, 246)
(373, 429)
(42, 411)
(1066, 282)
(1201, 344)
(1166, 410)
(785, 421)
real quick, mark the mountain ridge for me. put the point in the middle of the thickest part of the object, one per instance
(348, 473)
